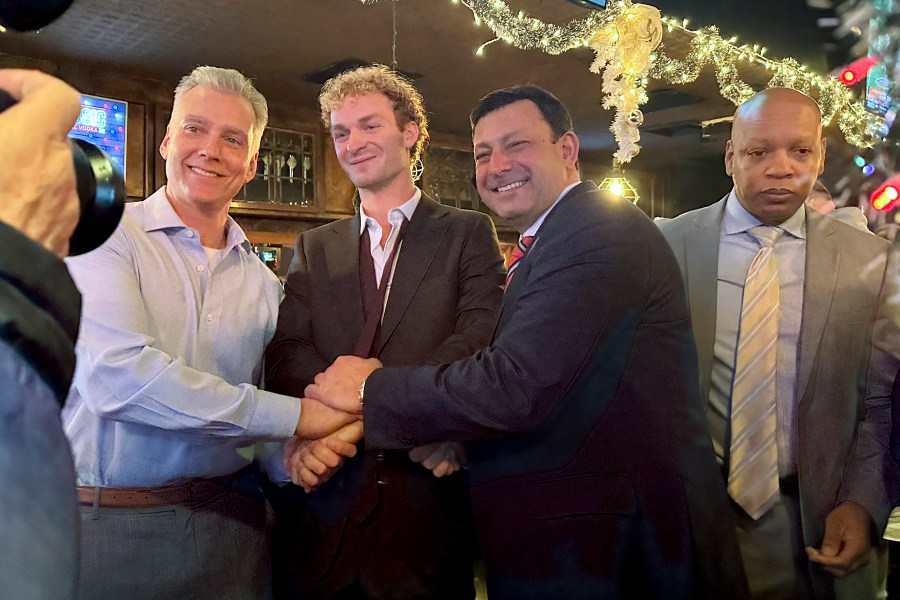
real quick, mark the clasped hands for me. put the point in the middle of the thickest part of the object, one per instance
(331, 424)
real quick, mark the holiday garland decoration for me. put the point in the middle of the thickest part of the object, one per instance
(626, 38)
(860, 128)
(623, 47)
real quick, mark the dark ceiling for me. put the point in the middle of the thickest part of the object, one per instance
(278, 42)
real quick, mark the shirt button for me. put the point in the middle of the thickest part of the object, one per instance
(201, 268)
(209, 318)
(190, 234)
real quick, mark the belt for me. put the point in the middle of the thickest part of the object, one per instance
(184, 494)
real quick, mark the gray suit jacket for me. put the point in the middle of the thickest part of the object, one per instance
(849, 342)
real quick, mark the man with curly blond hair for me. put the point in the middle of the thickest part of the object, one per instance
(411, 282)
(405, 99)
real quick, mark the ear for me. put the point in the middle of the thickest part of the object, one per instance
(729, 157)
(822, 162)
(251, 168)
(568, 143)
(164, 146)
(410, 135)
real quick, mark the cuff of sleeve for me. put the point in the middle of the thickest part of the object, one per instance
(271, 461)
(877, 514)
(275, 418)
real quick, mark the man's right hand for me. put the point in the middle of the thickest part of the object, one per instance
(339, 384)
(37, 180)
(310, 463)
(318, 420)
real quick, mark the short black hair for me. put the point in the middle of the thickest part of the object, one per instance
(553, 111)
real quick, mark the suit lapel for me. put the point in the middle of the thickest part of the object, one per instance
(341, 252)
(511, 294)
(823, 256)
(701, 248)
(421, 241)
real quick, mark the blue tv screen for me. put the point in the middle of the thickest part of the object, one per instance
(596, 4)
(102, 123)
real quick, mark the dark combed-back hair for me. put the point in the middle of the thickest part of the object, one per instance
(551, 108)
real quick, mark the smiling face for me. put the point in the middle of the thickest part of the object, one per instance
(207, 150)
(519, 169)
(371, 146)
(775, 153)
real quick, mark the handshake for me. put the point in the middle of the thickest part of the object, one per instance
(331, 423)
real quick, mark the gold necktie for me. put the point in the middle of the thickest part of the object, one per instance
(753, 472)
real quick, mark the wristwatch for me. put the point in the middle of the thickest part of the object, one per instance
(362, 393)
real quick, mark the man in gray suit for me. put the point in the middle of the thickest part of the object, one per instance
(806, 412)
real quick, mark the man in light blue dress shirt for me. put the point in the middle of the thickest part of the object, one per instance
(177, 314)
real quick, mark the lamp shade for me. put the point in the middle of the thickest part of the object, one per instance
(620, 186)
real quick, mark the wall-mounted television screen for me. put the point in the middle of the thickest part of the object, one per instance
(595, 4)
(102, 123)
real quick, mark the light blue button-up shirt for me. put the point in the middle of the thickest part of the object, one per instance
(737, 247)
(169, 352)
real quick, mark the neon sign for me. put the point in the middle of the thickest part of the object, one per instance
(102, 122)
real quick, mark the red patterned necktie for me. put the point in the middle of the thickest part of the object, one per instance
(517, 253)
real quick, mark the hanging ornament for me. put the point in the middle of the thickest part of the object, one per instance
(636, 118)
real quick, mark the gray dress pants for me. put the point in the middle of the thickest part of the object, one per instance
(215, 549)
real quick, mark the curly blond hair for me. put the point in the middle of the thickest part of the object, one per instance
(406, 99)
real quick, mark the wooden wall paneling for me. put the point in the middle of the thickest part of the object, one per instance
(338, 189)
(136, 185)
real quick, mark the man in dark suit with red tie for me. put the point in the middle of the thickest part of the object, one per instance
(411, 282)
(592, 472)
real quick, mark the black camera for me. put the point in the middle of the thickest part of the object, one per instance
(101, 192)
(101, 187)
(27, 15)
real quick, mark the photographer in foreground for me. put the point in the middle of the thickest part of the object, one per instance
(39, 313)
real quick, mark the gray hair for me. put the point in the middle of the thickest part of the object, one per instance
(229, 81)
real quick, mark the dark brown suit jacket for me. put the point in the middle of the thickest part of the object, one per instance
(442, 306)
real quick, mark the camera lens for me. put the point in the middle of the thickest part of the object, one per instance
(27, 15)
(101, 193)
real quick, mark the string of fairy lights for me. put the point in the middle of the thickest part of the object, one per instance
(707, 47)
(628, 40)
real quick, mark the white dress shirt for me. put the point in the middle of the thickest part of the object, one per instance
(395, 217)
(533, 228)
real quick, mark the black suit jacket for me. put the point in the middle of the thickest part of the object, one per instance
(442, 306)
(593, 474)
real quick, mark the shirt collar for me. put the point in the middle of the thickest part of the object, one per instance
(738, 220)
(159, 214)
(540, 220)
(394, 215)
